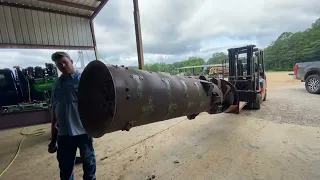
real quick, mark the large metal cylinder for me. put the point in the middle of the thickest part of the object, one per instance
(113, 98)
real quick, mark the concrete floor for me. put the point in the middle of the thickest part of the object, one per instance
(209, 147)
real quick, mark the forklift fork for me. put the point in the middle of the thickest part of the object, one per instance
(235, 109)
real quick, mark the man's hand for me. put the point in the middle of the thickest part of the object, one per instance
(52, 147)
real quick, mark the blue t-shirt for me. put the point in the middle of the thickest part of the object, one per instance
(65, 104)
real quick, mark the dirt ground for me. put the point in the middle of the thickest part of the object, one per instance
(280, 141)
(280, 79)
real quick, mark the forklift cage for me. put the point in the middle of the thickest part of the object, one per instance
(246, 76)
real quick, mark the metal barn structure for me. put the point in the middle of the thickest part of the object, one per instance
(55, 24)
(51, 24)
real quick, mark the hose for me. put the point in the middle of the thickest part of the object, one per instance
(35, 133)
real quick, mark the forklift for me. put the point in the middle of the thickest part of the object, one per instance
(247, 75)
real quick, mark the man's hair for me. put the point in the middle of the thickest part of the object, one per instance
(59, 54)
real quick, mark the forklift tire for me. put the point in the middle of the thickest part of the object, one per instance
(257, 104)
(265, 96)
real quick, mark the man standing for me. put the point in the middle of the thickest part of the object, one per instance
(71, 134)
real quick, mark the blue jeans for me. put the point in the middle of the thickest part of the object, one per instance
(66, 155)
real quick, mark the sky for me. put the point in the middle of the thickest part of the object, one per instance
(173, 30)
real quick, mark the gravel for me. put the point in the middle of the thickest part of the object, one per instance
(292, 104)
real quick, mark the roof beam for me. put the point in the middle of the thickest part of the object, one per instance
(9, 4)
(101, 5)
(70, 4)
(42, 46)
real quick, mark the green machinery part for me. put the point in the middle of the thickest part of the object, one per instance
(45, 84)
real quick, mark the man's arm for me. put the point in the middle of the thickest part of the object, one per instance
(52, 147)
(54, 130)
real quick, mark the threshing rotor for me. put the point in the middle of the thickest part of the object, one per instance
(112, 98)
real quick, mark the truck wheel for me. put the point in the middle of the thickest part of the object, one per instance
(312, 84)
(257, 104)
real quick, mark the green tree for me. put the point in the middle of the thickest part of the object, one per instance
(170, 68)
(217, 58)
(290, 48)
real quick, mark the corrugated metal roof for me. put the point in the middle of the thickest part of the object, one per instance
(82, 8)
(47, 24)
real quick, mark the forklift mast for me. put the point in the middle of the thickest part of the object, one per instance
(246, 71)
(235, 64)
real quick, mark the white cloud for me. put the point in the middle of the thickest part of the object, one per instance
(173, 30)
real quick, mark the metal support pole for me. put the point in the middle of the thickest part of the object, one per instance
(96, 52)
(137, 27)
(80, 56)
(94, 40)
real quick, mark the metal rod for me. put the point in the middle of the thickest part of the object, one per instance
(96, 52)
(94, 40)
(137, 27)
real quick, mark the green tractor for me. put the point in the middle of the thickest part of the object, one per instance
(26, 87)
